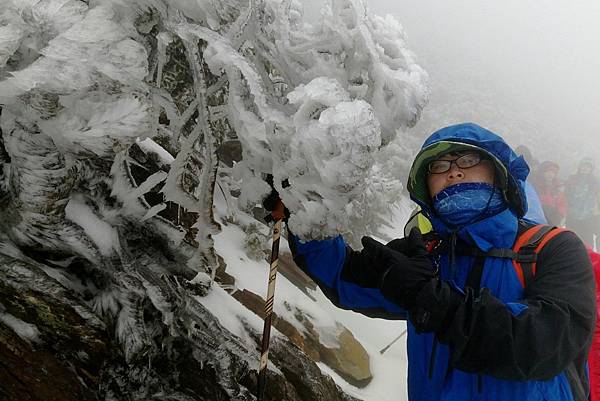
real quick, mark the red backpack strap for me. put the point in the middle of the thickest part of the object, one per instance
(525, 250)
(527, 246)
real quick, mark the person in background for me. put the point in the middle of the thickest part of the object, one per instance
(524, 151)
(476, 329)
(550, 191)
(582, 191)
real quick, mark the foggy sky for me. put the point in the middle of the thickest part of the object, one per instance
(529, 70)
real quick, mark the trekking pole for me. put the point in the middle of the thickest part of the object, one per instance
(392, 343)
(278, 213)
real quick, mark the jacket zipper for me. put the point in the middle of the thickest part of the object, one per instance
(453, 256)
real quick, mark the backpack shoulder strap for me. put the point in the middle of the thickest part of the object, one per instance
(525, 250)
(526, 247)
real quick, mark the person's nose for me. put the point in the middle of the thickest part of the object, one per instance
(455, 173)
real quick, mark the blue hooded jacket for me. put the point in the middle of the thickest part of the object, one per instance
(431, 375)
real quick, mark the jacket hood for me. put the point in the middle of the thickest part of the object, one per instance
(511, 168)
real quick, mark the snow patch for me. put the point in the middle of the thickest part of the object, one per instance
(26, 331)
(231, 314)
(103, 234)
(149, 146)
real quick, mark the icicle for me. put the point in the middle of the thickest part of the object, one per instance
(154, 210)
(162, 41)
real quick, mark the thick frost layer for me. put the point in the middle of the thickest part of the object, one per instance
(313, 104)
(330, 156)
(74, 52)
(350, 84)
(318, 105)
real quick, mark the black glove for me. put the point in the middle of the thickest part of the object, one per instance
(270, 202)
(435, 306)
(401, 275)
(411, 245)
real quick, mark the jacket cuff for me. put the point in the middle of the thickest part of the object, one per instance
(435, 306)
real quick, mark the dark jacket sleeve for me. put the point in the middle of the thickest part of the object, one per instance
(550, 329)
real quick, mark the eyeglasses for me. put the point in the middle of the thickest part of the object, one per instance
(465, 161)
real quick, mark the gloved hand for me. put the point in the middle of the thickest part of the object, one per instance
(401, 275)
(410, 245)
(273, 203)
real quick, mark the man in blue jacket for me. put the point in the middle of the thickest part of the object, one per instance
(478, 327)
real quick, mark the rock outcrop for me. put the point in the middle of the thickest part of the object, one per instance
(53, 346)
(349, 359)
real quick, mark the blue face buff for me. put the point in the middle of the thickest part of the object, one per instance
(465, 203)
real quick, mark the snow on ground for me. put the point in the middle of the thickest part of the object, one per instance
(389, 370)
(253, 275)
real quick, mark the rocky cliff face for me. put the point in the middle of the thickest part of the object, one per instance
(79, 323)
(53, 346)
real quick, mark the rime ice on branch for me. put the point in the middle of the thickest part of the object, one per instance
(114, 113)
(313, 104)
(85, 87)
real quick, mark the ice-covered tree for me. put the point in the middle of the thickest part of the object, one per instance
(115, 114)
